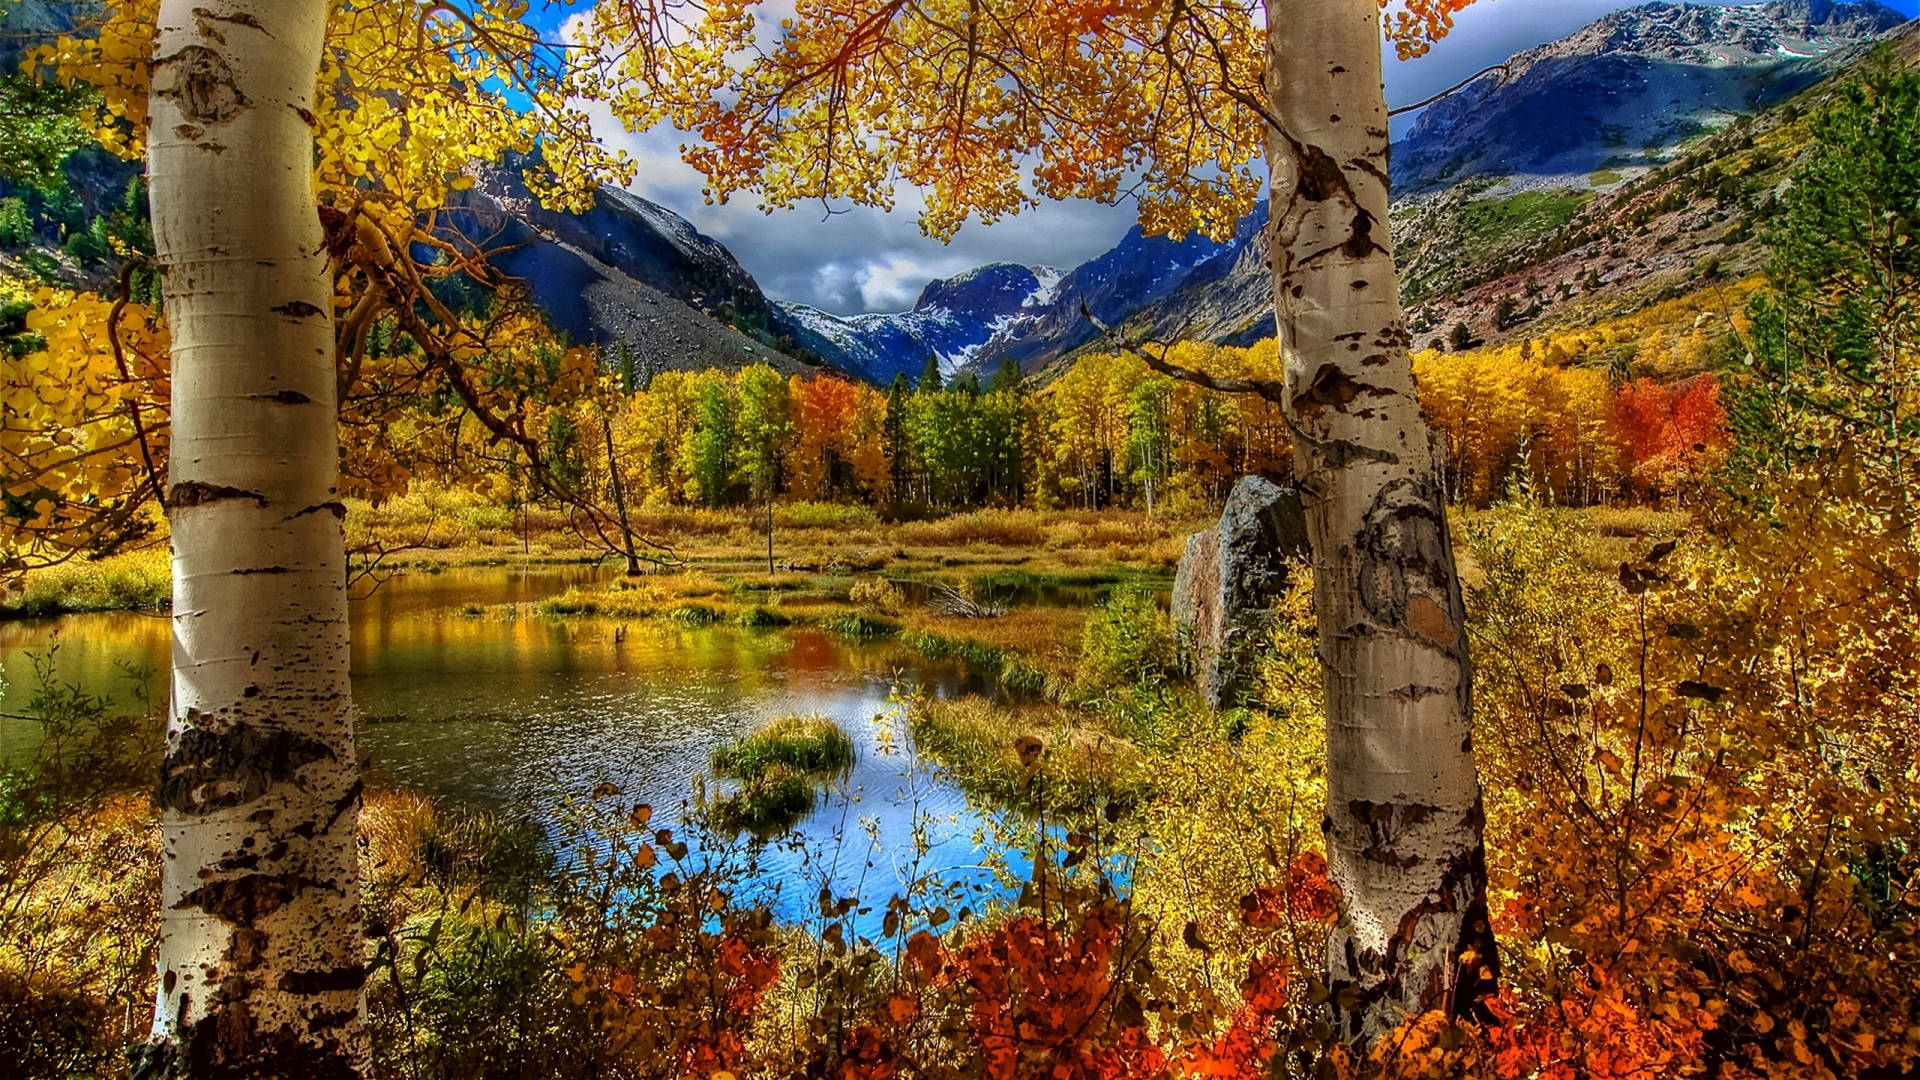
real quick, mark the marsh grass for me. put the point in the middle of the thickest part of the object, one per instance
(810, 745)
(854, 626)
(131, 581)
(781, 768)
(773, 802)
(1000, 753)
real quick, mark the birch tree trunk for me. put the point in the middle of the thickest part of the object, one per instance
(261, 966)
(1404, 821)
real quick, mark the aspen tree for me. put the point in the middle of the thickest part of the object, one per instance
(261, 970)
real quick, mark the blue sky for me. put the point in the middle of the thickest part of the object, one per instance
(866, 260)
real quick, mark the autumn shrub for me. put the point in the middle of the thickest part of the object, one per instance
(876, 595)
(79, 883)
(437, 517)
(1713, 730)
(823, 515)
(1632, 521)
(1127, 642)
(1007, 528)
(1104, 530)
(618, 955)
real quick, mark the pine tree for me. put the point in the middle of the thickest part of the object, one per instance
(899, 449)
(1008, 377)
(626, 367)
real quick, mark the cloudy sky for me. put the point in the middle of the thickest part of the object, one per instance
(867, 260)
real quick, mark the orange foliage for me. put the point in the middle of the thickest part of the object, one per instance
(1043, 1002)
(1504, 415)
(1668, 433)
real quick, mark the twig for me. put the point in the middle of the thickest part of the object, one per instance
(1454, 89)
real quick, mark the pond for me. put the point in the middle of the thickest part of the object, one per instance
(507, 710)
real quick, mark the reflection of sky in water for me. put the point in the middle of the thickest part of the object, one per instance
(494, 712)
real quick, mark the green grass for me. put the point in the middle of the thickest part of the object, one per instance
(997, 753)
(811, 746)
(1494, 224)
(781, 768)
(1604, 177)
(692, 615)
(941, 647)
(853, 626)
(760, 615)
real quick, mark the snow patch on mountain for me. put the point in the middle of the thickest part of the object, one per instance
(951, 322)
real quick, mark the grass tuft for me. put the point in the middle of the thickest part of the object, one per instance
(812, 745)
(998, 753)
(856, 627)
(781, 768)
(773, 802)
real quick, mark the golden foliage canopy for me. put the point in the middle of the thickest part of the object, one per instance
(985, 106)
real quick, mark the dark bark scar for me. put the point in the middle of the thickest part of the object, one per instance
(195, 493)
(200, 84)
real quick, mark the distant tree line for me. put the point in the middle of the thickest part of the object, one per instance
(1111, 432)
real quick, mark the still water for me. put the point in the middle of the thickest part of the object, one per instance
(509, 711)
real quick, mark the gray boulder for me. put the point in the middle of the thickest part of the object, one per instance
(1229, 578)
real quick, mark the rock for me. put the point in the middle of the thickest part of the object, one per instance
(1229, 578)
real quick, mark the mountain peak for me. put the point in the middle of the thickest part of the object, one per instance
(1001, 288)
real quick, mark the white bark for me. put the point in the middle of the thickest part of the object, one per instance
(1403, 825)
(261, 965)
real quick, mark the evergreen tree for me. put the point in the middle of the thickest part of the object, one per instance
(1002, 459)
(626, 367)
(930, 382)
(1008, 377)
(563, 449)
(899, 447)
(1834, 342)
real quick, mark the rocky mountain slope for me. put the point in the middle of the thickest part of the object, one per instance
(629, 272)
(982, 317)
(1488, 197)
(1626, 89)
(950, 322)
(1662, 150)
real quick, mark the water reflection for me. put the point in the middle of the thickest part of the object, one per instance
(505, 709)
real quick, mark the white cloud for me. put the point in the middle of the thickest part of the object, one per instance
(857, 258)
